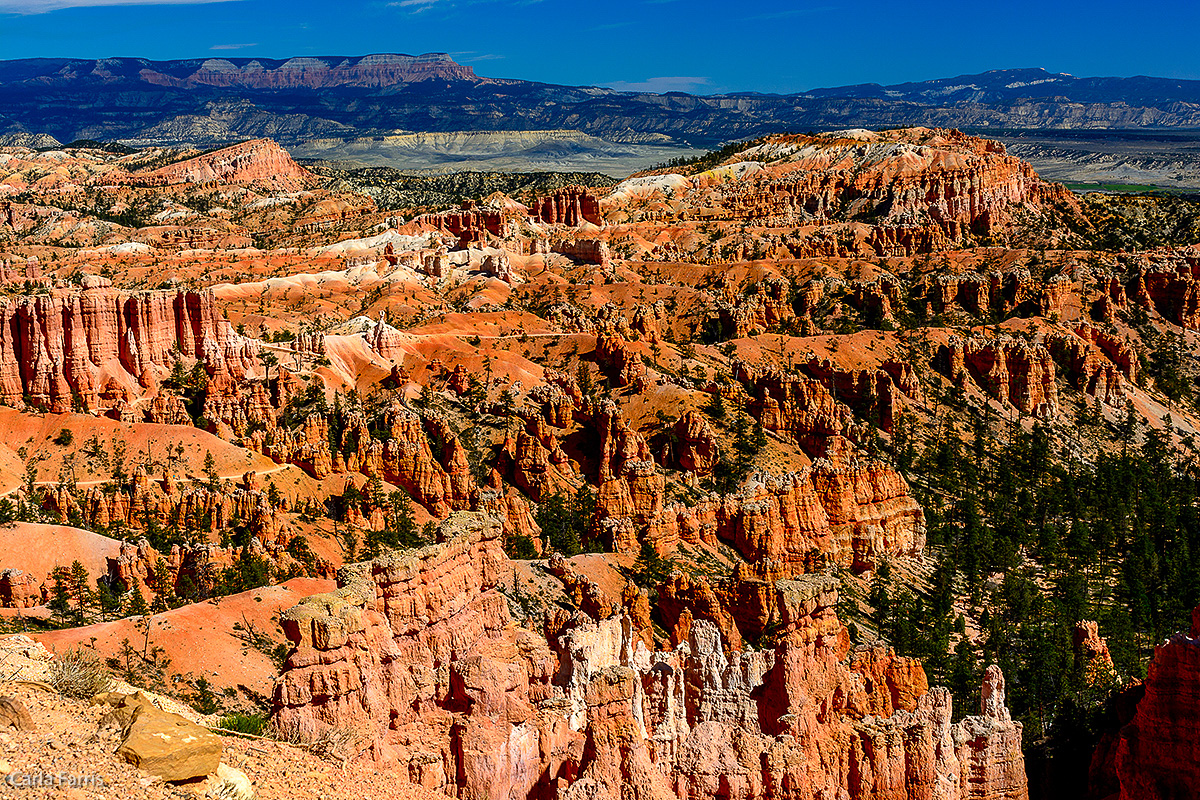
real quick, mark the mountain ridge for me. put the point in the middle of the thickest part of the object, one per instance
(210, 102)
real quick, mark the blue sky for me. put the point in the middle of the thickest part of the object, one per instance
(690, 45)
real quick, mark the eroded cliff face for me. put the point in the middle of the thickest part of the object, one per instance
(62, 350)
(418, 649)
(1009, 370)
(896, 192)
(194, 566)
(1096, 362)
(1156, 754)
(259, 162)
(571, 206)
(848, 510)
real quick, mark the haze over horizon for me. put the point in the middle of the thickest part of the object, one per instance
(645, 45)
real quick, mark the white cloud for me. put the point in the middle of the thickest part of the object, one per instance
(417, 6)
(233, 46)
(660, 85)
(42, 6)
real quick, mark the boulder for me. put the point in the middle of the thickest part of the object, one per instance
(162, 743)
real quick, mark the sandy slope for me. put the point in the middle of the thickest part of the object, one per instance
(200, 639)
(38, 549)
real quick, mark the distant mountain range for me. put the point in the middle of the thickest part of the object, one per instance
(208, 101)
(335, 107)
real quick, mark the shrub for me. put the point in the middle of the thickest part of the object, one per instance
(79, 673)
(335, 744)
(520, 547)
(331, 744)
(252, 724)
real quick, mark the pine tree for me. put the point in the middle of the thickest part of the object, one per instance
(80, 588)
(400, 529)
(650, 569)
(60, 593)
(760, 436)
(164, 589)
(743, 447)
(520, 548)
(403, 521)
(211, 478)
(248, 572)
(583, 376)
(374, 492)
(424, 399)
(559, 528)
(137, 602)
(583, 511)
(715, 407)
(273, 496)
(106, 599)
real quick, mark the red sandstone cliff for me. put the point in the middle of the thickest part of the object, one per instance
(1156, 754)
(1096, 362)
(259, 162)
(571, 206)
(418, 650)
(1008, 370)
(62, 349)
(910, 190)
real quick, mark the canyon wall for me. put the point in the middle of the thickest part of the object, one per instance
(1156, 753)
(1008, 370)
(259, 162)
(418, 649)
(61, 350)
(570, 206)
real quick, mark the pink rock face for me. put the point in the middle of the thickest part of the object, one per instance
(921, 189)
(20, 589)
(535, 462)
(748, 314)
(418, 650)
(1117, 349)
(238, 405)
(618, 361)
(260, 162)
(307, 446)
(571, 206)
(589, 251)
(470, 224)
(1000, 291)
(804, 408)
(1172, 289)
(1156, 754)
(1090, 646)
(874, 393)
(1009, 370)
(1090, 367)
(851, 511)
(54, 348)
(406, 459)
(696, 449)
(214, 510)
(167, 409)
